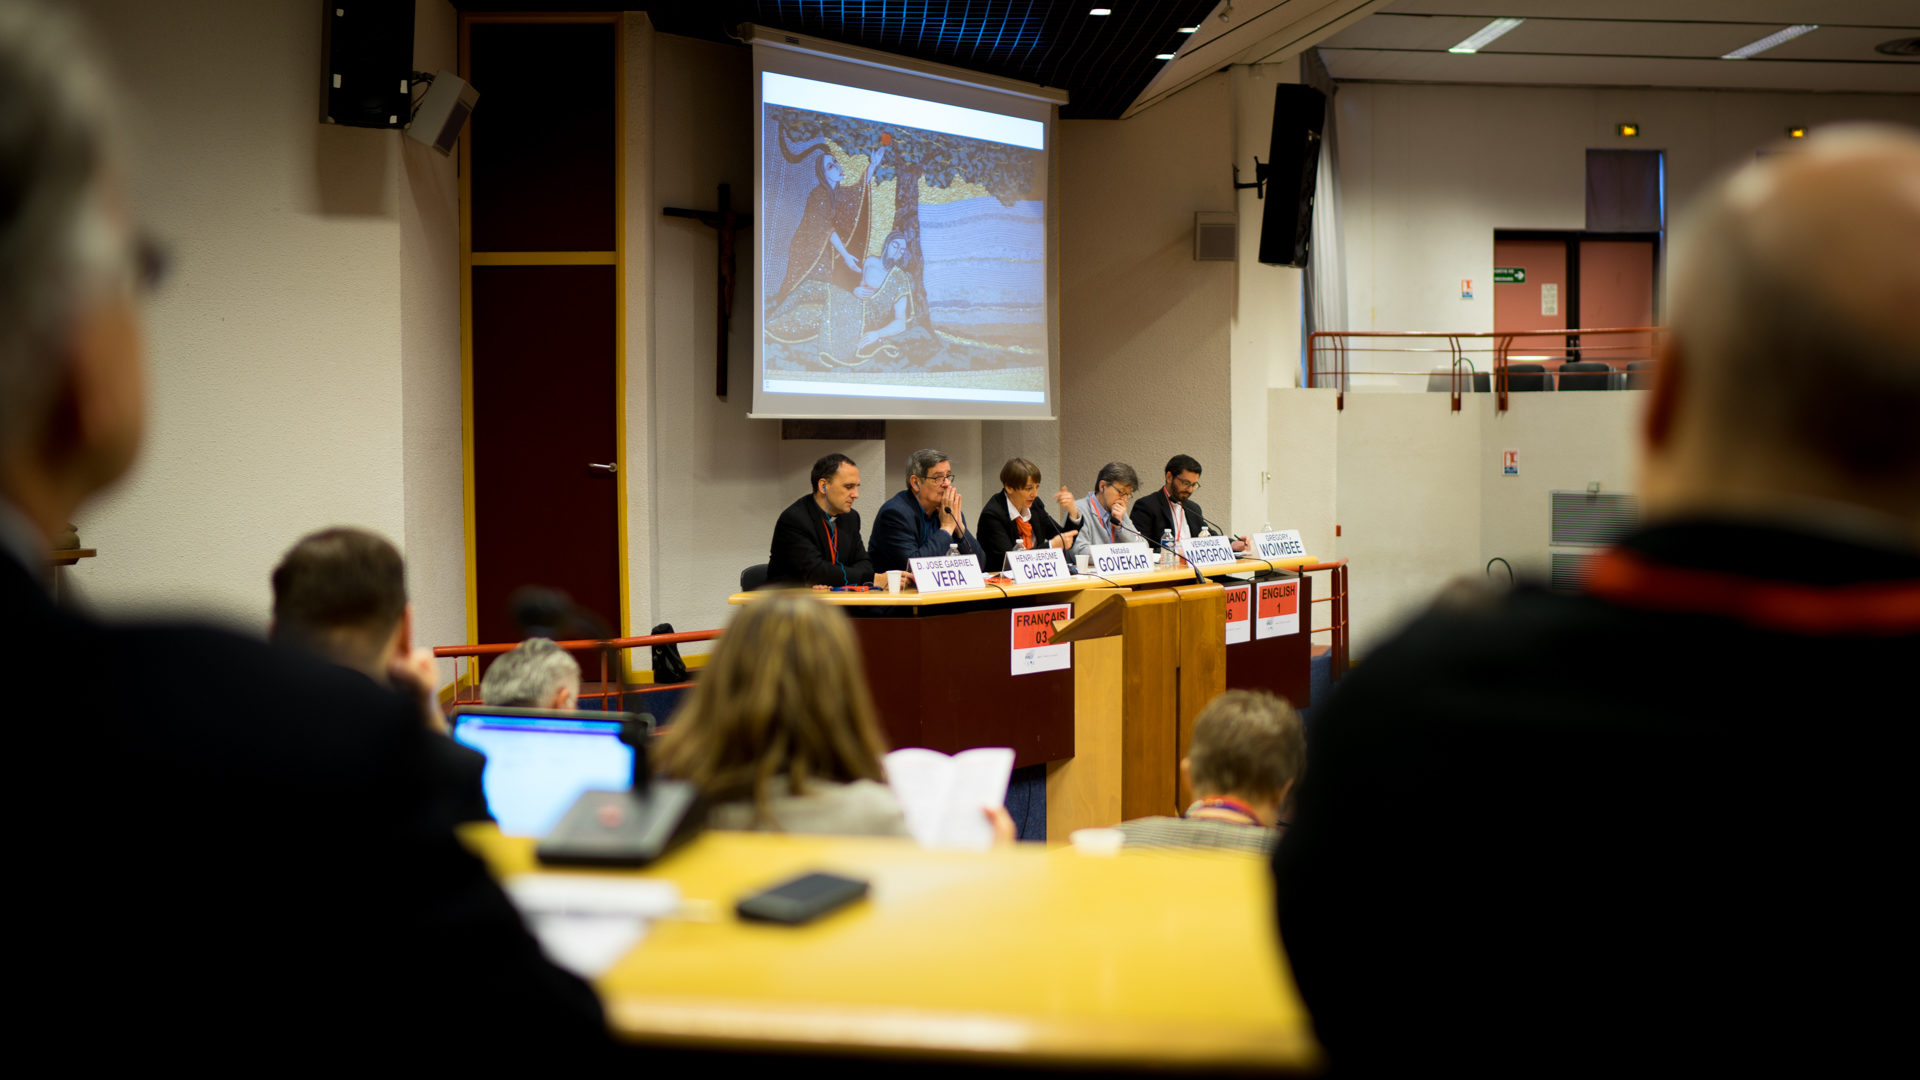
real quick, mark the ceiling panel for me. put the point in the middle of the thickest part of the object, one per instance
(1607, 38)
(1355, 64)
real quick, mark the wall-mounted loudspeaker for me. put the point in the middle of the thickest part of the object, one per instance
(443, 111)
(366, 63)
(1286, 221)
(1214, 236)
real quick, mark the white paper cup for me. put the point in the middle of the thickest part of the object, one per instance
(1098, 841)
(1084, 561)
(893, 581)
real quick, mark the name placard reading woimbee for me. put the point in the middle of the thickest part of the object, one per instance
(946, 573)
(1285, 544)
(1043, 567)
(1209, 551)
(1121, 559)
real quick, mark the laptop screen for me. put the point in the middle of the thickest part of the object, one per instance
(537, 766)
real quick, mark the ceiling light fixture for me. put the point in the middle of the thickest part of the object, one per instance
(1188, 29)
(1101, 11)
(1768, 42)
(1484, 36)
(1163, 56)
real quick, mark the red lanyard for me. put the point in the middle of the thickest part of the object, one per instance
(1106, 519)
(833, 546)
(1235, 805)
(1627, 579)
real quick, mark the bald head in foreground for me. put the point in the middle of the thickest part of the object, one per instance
(1660, 825)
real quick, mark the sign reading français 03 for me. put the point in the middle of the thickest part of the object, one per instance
(1285, 544)
(1209, 551)
(1043, 567)
(946, 573)
(1121, 559)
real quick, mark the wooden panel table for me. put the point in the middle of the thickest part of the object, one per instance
(1021, 956)
(1112, 730)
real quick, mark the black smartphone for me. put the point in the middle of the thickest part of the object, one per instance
(801, 900)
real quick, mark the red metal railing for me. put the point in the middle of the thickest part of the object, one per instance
(1336, 599)
(1329, 353)
(611, 663)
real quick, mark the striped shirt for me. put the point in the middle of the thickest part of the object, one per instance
(1174, 832)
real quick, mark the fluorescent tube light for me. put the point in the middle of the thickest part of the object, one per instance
(1188, 29)
(1768, 42)
(1163, 56)
(1484, 36)
(1101, 11)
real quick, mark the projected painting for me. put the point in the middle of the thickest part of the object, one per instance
(901, 256)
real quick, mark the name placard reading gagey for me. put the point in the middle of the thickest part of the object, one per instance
(1121, 559)
(1042, 567)
(947, 573)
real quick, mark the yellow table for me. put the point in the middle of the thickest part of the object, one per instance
(1023, 955)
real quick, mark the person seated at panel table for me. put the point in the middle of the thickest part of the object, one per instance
(1009, 521)
(341, 595)
(535, 674)
(1103, 513)
(1248, 749)
(924, 520)
(1153, 513)
(817, 539)
(780, 733)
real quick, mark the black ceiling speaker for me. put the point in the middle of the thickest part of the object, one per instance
(366, 63)
(1293, 162)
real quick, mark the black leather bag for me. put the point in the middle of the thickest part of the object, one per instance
(668, 668)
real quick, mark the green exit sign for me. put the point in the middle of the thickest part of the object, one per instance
(1509, 275)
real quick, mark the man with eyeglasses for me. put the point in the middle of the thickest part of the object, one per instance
(1154, 514)
(924, 520)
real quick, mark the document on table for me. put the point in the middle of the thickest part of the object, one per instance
(586, 924)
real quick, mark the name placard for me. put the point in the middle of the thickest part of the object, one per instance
(1121, 559)
(1209, 551)
(1045, 566)
(946, 573)
(1285, 544)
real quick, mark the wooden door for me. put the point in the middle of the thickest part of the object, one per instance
(1537, 303)
(1616, 289)
(540, 310)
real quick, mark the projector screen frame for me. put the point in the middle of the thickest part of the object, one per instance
(903, 76)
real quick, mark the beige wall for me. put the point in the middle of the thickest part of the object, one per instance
(1144, 329)
(1428, 172)
(303, 356)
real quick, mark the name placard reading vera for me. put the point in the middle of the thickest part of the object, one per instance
(1285, 544)
(1043, 567)
(1209, 551)
(947, 573)
(1121, 559)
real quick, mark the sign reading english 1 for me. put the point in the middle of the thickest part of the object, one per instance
(947, 573)
(1121, 559)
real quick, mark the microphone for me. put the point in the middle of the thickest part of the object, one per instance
(1151, 542)
(1217, 530)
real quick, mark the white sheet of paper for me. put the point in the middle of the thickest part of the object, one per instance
(586, 924)
(945, 798)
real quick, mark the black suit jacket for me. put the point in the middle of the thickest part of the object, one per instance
(800, 555)
(1153, 513)
(998, 533)
(1507, 840)
(246, 849)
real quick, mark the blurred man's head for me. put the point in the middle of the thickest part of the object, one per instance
(71, 390)
(341, 594)
(1793, 367)
(537, 674)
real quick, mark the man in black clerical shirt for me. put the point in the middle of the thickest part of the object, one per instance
(1154, 514)
(817, 539)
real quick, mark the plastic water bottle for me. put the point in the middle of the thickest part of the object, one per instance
(1166, 547)
(1266, 526)
(953, 549)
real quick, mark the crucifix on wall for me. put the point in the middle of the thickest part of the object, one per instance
(725, 223)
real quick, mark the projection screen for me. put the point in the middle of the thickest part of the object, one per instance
(901, 241)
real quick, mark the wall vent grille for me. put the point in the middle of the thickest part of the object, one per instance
(1582, 519)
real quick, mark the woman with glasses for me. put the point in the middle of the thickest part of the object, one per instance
(1103, 513)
